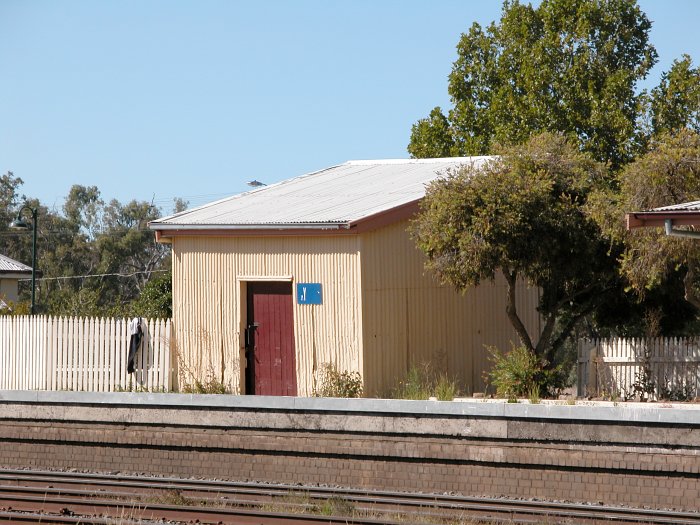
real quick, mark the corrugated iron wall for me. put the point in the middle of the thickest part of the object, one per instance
(409, 319)
(378, 317)
(209, 286)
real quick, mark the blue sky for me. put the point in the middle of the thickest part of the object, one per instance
(157, 99)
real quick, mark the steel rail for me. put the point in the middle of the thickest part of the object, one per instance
(380, 501)
(20, 518)
(379, 505)
(99, 509)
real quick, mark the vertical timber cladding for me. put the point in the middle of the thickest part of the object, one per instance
(410, 319)
(209, 287)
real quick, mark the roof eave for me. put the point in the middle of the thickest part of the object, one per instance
(265, 226)
(166, 232)
(643, 219)
(386, 217)
(14, 274)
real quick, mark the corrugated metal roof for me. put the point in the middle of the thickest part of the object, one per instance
(337, 196)
(10, 265)
(684, 206)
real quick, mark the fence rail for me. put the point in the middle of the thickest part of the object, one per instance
(622, 367)
(82, 354)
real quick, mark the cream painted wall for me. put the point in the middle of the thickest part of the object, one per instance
(381, 312)
(209, 287)
(410, 319)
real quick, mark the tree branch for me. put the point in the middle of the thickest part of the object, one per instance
(571, 324)
(562, 302)
(546, 335)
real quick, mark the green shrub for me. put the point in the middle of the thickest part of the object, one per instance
(415, 386)
(683, 391)
(335, 383)
(520, 373)
(422, 383)
(445, 388)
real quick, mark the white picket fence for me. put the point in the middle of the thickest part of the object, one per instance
(613, 366)
(82, 354)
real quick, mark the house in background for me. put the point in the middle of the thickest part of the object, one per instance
(271, 284)
(10, 273)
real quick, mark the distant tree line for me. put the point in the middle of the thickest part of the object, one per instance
(96, 258)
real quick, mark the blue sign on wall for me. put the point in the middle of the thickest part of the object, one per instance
(309, 293)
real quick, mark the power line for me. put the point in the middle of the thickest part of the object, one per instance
(93, 275)
(67, 232)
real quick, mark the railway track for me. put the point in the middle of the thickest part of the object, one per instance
(69, 497)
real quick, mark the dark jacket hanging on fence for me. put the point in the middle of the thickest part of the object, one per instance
(135, 342)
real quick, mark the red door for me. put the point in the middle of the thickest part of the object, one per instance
(271, 369)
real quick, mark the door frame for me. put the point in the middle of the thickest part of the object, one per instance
(242, 281)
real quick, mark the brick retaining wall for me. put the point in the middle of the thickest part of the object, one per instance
(639, 458)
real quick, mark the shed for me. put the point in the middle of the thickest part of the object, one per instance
(271, 284)
(11, 272)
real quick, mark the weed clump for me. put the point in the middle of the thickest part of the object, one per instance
(422, 382)
(520, 373)
(210, 385)
(336, 383)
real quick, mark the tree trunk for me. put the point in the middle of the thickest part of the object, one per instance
(512, 311)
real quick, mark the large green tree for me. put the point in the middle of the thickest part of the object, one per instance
(568, 66)
(523, 215)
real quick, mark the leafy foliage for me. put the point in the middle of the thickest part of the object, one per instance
(520, 373)
(644, 386)
(336, 383)
(424, 382)
(95, 258)
(416, 385)
(15, 308)
(156, 299)
(567, 66)
(675, 102)
(523, 216)
(668, 174)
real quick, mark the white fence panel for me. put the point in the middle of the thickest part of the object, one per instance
(618, 367)
(90, 354)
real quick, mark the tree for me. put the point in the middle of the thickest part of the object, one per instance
(11, 243)
(128, 248)
(675, 102)
(522, 215)
(156, 299)
(75, 249)
(668, 174)
(9, 186)
(568, 66)
(66, 253)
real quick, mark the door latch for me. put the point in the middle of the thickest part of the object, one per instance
(248, 330)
